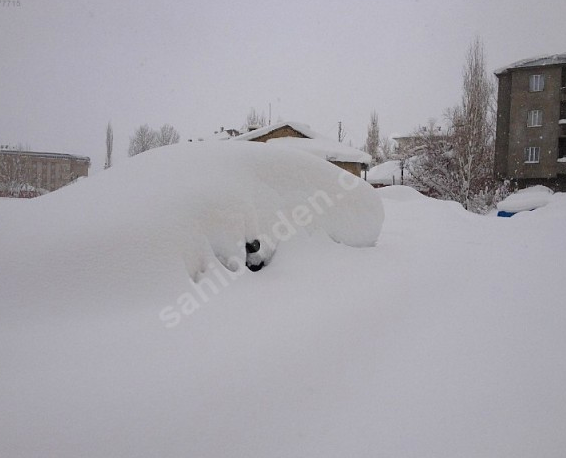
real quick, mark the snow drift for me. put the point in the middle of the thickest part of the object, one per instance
(324, 148)
(182, 205)
(445, 340)
(526, 199)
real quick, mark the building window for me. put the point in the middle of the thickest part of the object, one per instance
(536, 83)
(532, 154)
(534, 118)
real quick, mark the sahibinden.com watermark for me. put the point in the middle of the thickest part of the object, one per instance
(286, 227)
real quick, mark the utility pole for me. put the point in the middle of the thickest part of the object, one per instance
(109, 143)
(340, 131)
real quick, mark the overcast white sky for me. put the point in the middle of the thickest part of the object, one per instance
(68, 67)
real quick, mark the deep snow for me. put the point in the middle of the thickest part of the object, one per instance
(386, 173)
(444, 340)
(526, 199)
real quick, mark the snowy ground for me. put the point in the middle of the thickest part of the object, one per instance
(446, 339)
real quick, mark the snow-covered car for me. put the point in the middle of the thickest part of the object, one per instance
(524, 200)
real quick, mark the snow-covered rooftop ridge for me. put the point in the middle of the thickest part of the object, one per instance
(324, 148)
(314, 143)
(299, 127)
(46, 154)
(538, 61)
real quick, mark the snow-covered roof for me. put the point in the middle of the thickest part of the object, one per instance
(46, 155)
(323, 148)
(387, 173)
(314, 143)
(299, 127)
(422, 132)
(538, 61)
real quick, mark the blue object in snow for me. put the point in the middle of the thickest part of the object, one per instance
(503, 214)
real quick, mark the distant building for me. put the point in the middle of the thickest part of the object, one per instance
(530, 145)
(301, 137)
(418, 140)
(32, 173)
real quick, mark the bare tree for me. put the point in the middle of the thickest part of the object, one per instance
(387, 149)
(144, 138)
(16, 178)
(254, 120)
(341, 132)
(167, 135)
(109, 145)
(429, 159)
(474, 127)
(458, 165)
(372, 140)
(4, 174)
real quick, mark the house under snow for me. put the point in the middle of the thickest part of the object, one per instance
(301, 137)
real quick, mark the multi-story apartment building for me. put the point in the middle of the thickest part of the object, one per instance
(29, 173)
(530, 145)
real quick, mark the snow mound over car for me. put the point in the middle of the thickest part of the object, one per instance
(526, 199)
(188, 205)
